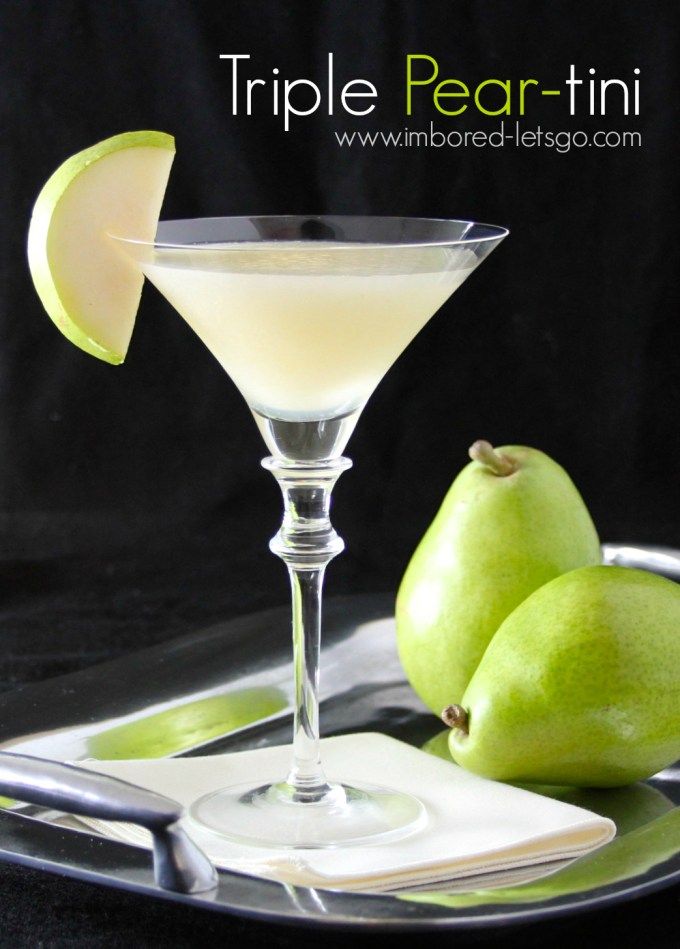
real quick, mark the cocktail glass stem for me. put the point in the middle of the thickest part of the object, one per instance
(304, 809)
(306, 543)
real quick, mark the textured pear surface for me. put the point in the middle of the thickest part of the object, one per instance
(580, 685)
(629, 807)
(493, 542)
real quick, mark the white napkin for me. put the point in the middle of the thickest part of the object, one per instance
(474, 826)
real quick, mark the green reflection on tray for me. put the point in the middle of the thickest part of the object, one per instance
(186, 726)
(625, 857)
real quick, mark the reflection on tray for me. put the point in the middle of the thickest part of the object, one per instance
(630, 855)
(186, 726)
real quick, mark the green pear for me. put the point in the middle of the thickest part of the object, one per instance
(186, 726)
(580, 685)
(629, 807)
(511, 521)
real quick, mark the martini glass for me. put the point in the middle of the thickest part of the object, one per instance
(306, 314)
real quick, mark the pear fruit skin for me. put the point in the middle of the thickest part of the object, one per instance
(580, 685)
(629, 807)
(496, 538)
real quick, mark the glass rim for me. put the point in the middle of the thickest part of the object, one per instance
(490, 233)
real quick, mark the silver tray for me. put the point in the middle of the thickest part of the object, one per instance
(75, 716)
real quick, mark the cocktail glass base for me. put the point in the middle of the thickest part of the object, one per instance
(278, 816)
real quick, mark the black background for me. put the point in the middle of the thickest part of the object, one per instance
(132, 504)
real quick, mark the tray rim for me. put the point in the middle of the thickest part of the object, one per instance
(145, 886)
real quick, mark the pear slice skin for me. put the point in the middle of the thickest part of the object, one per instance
(89, 289)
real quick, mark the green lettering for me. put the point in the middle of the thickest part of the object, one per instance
(437, 94)
(505, 85)
(410, 81)
(523, 83)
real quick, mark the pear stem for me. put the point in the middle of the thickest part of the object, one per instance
(483, 452)
(455, 716)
